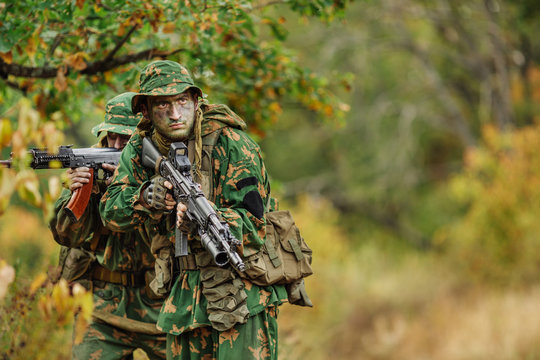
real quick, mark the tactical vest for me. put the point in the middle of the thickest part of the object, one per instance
(284, 259)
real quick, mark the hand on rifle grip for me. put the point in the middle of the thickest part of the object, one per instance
(78, 177)
(181, 209)
(157, 196)
(110, 169)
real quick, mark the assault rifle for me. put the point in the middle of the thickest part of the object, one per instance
(68, 157)
(215, 235)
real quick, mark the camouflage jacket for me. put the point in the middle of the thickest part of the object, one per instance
(116, 251)
(241, 186)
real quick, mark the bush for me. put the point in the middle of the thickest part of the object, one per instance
(496, 240)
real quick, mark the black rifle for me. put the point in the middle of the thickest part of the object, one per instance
(215, 235)
(67, 157)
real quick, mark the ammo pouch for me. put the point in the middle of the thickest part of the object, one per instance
(284, 258)
(225, 293)
(163, 271)
(76, 264)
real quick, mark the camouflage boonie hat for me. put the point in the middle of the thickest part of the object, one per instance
(163, 77)
(118, 116)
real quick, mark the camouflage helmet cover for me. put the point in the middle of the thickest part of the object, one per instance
(118, 116)
(163, 78)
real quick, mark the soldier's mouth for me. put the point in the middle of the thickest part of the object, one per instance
(177, 125)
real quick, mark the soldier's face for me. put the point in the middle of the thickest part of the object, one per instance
(173, 116)
(117, 141)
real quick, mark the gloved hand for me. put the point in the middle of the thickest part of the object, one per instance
(155, 195)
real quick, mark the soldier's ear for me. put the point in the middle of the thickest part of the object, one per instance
(144, 109)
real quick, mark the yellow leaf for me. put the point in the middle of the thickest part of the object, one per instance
(85, 304)
(6, 132)
(84, 300)
(45, 306)
(77, 61)
(18, 146)
(275, 107)
(52, 138)
(54, 187)
(28, 187)
(108, 76)
(63, 302)
(28, 118)
(37, 283)
(7, 186)
(169, 28)
(121, 29)
(328, 110)
(30, 47)
(7, 57)
(315, 105)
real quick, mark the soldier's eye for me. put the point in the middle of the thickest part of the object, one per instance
(162, 104)
(181, 101)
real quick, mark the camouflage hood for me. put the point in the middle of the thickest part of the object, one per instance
(217, 116)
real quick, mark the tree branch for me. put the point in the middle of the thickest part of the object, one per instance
(121, 43)
(100, 66)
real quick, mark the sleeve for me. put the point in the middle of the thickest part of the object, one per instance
(242, 188)
(119, 208)
(69, 232)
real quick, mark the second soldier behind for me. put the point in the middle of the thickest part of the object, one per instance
(115, 266)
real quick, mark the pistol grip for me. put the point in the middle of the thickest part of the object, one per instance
(79, 199)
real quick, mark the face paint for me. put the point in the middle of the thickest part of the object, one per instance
(173, 116)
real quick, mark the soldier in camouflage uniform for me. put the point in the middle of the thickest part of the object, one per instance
(211, 312)
(113, 265)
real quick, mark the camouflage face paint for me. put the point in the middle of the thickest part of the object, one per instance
(173, 116)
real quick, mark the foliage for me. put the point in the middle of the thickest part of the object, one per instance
(428, 76)
(59, 61)
(36, 311)
(496, 240)
(36, 318)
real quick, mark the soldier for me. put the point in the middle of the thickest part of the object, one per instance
(113, 265)
(211, 312)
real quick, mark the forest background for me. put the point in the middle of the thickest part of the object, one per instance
(402, 134)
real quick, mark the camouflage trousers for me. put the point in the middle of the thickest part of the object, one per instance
(124, 320)
(257, 339)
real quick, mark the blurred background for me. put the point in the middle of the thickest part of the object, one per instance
(416, 187)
